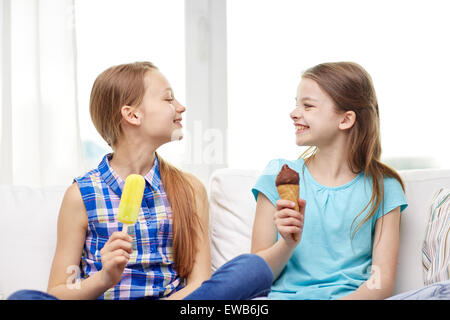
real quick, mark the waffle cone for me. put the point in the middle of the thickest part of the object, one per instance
(290, 192)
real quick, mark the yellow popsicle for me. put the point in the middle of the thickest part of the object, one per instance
(130, 202)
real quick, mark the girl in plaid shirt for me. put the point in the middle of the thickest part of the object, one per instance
(166, 253)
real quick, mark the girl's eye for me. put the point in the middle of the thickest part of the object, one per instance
(307, 106)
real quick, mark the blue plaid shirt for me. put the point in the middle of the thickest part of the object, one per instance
(150, 272)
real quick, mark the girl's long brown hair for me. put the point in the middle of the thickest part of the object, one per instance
(124, 85)
(351, 88)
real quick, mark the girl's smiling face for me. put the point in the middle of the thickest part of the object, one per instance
(315, 117)
(160, 112)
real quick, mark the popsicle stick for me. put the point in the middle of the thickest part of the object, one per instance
(125, 228)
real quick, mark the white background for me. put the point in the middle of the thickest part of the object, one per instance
(402, 44)
(115, 32)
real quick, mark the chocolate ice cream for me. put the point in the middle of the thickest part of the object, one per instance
(287, 176)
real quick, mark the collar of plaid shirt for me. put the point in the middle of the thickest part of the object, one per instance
(116, 183)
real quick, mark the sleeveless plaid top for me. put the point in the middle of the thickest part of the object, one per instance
(150, 271)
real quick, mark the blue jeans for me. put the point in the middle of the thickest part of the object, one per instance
(245, 277)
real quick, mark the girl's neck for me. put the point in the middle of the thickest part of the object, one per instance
(132, 157)
(330, 167)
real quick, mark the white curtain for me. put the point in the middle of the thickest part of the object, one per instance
(39, 136)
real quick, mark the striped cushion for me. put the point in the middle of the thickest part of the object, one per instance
(436, 246)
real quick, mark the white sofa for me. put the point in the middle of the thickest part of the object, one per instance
(28, 218)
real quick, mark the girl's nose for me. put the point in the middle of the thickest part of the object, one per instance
(295, 114)
(180, 108)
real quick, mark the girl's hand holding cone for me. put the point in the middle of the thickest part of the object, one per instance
(288, 187)
(288, 221)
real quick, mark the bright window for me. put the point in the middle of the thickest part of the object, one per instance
(402, 44)
(115, 32)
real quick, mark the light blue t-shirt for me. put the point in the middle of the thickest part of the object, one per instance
(327, 263)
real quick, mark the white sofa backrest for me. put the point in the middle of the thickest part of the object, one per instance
(233, 209)
(421, 186)
(28, 219)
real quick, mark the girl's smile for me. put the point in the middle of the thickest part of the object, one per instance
(178, 122)
(300, 128)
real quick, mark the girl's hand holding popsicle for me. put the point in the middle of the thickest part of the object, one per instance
(116, 252)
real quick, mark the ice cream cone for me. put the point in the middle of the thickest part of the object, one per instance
(290, 192)
(287, 183)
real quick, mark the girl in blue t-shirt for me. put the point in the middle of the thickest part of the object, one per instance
(346, 233)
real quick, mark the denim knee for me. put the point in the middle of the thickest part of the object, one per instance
(243, 277)
(31, 295)
(259, 265)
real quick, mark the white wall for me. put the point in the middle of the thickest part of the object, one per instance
(402, 44)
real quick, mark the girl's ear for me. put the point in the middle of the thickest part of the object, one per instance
(348, 120)
(131, 115)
